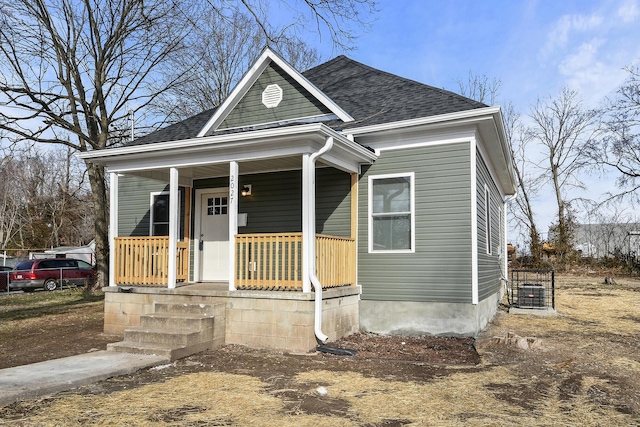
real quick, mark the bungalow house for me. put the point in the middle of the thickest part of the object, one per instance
(309, 206)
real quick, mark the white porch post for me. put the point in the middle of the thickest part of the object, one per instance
(233, 221)
(113, 225)
(173, 227)
(307, 234)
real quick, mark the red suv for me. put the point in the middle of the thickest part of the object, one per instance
(50, 274)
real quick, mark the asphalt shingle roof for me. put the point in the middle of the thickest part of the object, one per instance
(185, 129)
(372, 96)
(369, 95)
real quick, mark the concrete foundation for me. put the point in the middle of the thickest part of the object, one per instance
(427, 318)
(258, 319)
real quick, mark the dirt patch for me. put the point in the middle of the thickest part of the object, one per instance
(428, 349)
(587, 372)
(29, 336)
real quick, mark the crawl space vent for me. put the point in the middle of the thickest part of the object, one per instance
(272, 96)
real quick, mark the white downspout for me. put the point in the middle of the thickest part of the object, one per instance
(311, 243)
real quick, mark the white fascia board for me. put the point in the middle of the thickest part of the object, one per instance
(191, 159)
(103, 156)
(488, 118)
(478, 113)
(506, 150)
(246, 145)
(250, 78)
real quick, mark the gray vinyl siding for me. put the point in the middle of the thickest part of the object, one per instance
(296, 102)
(488, 264)
(275, 203)
(440, 269)
(134, 199)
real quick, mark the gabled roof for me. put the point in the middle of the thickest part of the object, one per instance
(359, 95)
(265, 60)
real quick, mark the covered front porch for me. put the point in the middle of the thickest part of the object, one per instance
(263, 222)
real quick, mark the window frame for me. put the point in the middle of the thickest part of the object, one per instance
(487, 218)
(411, 213)
(152, 197)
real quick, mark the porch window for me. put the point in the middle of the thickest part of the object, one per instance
(391, 213)
(159, 220)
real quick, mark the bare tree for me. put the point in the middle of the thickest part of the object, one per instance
(619, 147)
(71, 70)
(561, 127)
(217, 54)
(333, 17)
(480, 88)
(528, 182)
(44, 200)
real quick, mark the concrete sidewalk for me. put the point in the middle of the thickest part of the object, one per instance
(53, 376)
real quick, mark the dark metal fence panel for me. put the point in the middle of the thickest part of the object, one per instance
(534, 289)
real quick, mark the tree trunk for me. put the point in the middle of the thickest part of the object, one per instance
(100, 201)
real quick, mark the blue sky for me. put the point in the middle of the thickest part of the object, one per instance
(534, 47)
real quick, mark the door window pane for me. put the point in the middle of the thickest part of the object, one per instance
(217, 205)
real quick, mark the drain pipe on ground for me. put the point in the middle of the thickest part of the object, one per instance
(311, 228)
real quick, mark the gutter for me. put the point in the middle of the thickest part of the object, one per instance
(311, 249)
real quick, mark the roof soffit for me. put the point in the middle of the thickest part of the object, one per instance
(268, 57)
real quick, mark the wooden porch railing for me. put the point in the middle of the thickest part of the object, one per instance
(335, 260)
(274, 261)
(144, 260)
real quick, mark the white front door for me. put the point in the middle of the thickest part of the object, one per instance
(214, 236)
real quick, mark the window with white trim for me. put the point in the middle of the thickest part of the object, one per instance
(391, 213)
(159, 214)
(487, 215)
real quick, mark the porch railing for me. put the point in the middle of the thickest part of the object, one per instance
(263, 261)
(144, 260)
(274, 261)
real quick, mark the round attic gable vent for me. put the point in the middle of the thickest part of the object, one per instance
(272, 96)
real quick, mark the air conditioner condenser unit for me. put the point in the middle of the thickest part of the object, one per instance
(531, 296)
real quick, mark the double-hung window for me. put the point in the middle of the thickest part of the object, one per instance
(391, 213)
(159, 218)
(487, 217)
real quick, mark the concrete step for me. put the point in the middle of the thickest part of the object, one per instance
(169, 337)
(170, 352)
(207, 310)
(176, 321)
(141, 348)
